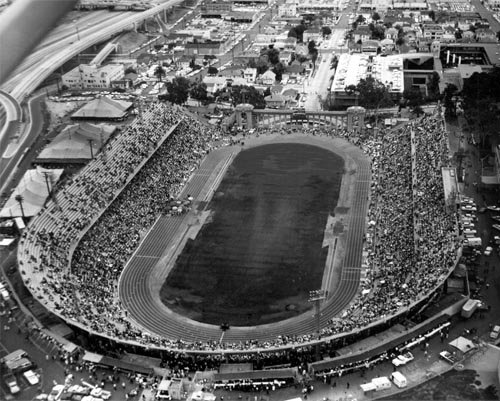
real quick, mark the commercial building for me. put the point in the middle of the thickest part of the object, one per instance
(352, 68)
(87, 76)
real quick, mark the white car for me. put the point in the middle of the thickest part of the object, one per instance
(488, 250)
(403, 359)
(495, 332)
(31, 377)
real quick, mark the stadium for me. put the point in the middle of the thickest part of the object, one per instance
(100, 254)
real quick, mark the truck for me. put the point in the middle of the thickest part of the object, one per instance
(473, 242)
(377, 384)
(399, 379)
(470, 307)
(448, 357)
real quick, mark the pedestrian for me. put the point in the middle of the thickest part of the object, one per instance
(348, 385)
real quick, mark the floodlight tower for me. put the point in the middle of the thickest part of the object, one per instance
(317, 296)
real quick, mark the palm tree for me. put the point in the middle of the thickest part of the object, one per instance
(159, 72)
(20, 200)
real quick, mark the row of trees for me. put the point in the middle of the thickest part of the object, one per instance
(180, 89)
(373, 95)
(480, 100)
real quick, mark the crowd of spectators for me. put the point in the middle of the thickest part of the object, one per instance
(411, 242)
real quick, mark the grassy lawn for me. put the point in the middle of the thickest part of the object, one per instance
(260, 253)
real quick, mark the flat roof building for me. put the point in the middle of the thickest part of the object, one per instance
(351, 68)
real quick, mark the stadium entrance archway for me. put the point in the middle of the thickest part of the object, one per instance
(247, 117)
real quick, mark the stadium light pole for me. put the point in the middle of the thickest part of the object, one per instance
(48, 176)
(317, 296)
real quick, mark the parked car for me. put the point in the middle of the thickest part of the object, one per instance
(403, 359)
(488, 250)
(495, 332)
(11, 383)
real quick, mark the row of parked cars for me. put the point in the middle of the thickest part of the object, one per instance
(18, 367)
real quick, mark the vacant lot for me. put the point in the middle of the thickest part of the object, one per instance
(260, 254)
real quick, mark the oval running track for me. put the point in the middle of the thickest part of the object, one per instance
(139, 291)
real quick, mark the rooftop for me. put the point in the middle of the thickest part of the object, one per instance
(352, 68)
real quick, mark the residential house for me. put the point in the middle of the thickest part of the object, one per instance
(449, 35)
(410, 36)
(289, 9)
(468, 36)
(267, 78)
(127, 82)
(275, 101)
(184, 62)
(312, 34)
(485, 35)
(292, 96)
(362, 33)
(494, 4)
(391, 33)
(247, 56)
(205, 48)
(250, 74)
(370, 47)
(432, 32)
(285, 43)
(290, 44)
(286, 57)
(295, 68)
(276, 88)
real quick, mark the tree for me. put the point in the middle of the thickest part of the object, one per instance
(178, 90)
(325, 31)
(273, 55)
(297, 32)
(279, 69)
(159, 72)
(247, 94)
(378, 31)
(313, 52)
(449, 104)
(130, 70)
(433, 86)
(212, 70)
(400, 41)
(360, 19)
(432, 15)
(375, 16)
(373, 94)
(414, 100)
(480, 95)
(198, 91)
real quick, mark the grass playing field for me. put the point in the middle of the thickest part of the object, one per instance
(260, 253)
